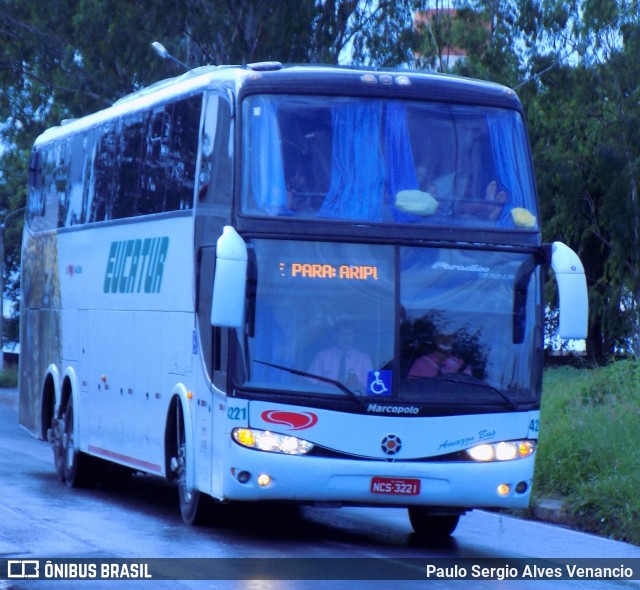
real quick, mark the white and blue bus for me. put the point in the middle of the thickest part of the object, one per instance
(293, 284)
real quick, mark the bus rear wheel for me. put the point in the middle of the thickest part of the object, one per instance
(55, 436)
(78, 468)
(432, 526)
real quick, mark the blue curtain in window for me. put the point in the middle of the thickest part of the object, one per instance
(357, 167)
(401, 169)
(509, 161)
(265, 164)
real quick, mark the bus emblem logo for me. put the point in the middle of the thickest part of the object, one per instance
(391, 444)
(294, 420)
(136, 266)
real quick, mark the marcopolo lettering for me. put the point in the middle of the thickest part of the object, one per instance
(380, 409)
(136, 266)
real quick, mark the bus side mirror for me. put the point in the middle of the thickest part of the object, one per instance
(230, 280)
(572, 292)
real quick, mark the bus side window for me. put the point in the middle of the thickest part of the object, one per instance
(71, 214)
(153, 174)
(35, 207)
(215, 176)
(130, 151)
(61, 185)
(182, 154)
(88, 174)
(104, 170)
(49, 191)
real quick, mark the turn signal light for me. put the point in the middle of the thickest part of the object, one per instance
(271, 442)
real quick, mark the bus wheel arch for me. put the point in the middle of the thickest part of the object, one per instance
(51, 412)
(179, 459)
(48, 404)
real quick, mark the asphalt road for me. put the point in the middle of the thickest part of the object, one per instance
(41, 518)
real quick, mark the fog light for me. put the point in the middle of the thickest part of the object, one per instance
(504, 489)
(244, 476)
(522, 487)
(264, 480)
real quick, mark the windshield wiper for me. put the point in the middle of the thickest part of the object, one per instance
(348, 392)
(459, 379)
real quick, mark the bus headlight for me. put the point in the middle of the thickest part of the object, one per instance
(264, 440)
(502, 451)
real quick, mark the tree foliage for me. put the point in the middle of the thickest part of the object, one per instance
(575, 64)
(585, 115)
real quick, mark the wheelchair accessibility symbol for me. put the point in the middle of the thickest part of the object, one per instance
(379, 383)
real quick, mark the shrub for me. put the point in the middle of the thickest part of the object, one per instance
(590, 421)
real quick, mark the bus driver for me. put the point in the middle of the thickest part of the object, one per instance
(342, 361)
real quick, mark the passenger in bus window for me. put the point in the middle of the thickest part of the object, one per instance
(442, 361)
(424, 183)
(298, 198)
(489, 207)
(343, 362)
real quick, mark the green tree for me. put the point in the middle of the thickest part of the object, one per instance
(584, 120)
(435, 47)
(58, 60)
(576, 65)
(485, 30)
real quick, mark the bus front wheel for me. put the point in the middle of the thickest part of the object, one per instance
(194, 505)
(430, 525)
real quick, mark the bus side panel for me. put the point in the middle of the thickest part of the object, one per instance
(159, 368)
(40, 327)
(106, 408)
(128, 330)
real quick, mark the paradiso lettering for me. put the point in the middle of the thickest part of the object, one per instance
(136, 266)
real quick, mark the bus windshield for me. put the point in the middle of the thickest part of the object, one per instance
(386, 161)
(327, 320)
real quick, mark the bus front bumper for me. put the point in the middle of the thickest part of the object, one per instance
(261, 476)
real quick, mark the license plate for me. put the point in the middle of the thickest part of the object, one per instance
(395, 486)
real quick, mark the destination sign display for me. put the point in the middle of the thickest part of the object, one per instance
(307, 270)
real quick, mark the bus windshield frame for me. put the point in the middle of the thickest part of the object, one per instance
(386, 161)
(392, 310)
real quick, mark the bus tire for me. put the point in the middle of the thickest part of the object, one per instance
(430, 526)
(55, 435)
(194, 505)
(79, 468)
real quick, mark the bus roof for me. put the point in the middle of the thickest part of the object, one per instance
(273, 77)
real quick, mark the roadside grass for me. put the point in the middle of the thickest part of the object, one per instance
(8, 378)
(589, 429)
